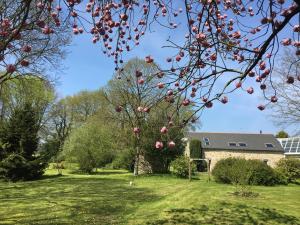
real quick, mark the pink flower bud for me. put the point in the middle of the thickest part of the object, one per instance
(136, 130)
(250, 90)
(261, 107)
(171, 144)
(159, 145)
(164, 130)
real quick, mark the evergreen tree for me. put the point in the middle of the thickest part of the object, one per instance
(19, 159)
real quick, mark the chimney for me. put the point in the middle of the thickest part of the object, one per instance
(260, 131)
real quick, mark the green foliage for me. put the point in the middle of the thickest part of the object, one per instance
(124, 160)
(16, 167)
(180, 167)
(125, 93)
(18, 92)
(240, 171)
(160, 159)
(91, 146)
(282, 134)
(262, 174)
(195, 149)
(50, 148)
(289, 168)
(19, 159)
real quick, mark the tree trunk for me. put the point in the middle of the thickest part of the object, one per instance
(2, 105)
(137, 161)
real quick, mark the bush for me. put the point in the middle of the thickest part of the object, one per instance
(289, 168)
(180, 167)
(91, 146)
(262, 174)
(240, 171)
(86, 161)
(223, 170)
(15, 167)
(124, 160)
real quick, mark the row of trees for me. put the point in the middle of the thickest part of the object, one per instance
(112, 125)
(127, 127)
(92, 128)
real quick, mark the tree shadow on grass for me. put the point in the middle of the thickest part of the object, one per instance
(101, 172)
(69, 200)
(225, 213)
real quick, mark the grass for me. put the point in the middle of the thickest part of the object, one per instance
(107, 198)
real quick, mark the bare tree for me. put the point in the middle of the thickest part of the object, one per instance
(287, 110)
(24, 48)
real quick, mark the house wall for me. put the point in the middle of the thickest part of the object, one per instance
(216, 155)
(296, 156)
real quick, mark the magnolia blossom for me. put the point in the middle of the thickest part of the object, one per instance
(136, 130)
(250, 90)
(164, 130)
(171, 144)
(159, 145)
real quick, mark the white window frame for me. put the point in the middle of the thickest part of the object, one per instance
(242, 143)
(269, 146)
(232, 145)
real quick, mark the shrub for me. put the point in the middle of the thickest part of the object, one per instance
(240, 171)
(180, 167)
(289, 168)
(262, 174)
(124, 160)
(15, 167)
(91, 146)
(222, 171)
(86, 162)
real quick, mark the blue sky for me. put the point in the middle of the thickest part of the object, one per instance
(88, 69)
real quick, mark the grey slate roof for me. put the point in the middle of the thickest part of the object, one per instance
(254, 142)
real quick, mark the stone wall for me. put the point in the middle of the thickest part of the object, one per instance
(272, 157)
(293, 156)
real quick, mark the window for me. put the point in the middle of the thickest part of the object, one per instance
(288, 144)
(241, 144)
(232, 144)
(206, 141)
(269, 145)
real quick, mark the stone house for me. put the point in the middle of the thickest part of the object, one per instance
(216, 146)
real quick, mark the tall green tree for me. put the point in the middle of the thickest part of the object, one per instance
(19, 145)
(70, 113)
(38, 92)
(91, 146)
(24, 107)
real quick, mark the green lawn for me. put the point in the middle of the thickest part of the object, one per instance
(107, 198)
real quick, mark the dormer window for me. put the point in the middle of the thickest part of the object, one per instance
(232, 144)
(206, 141)
(269, 145)
(241, 144)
